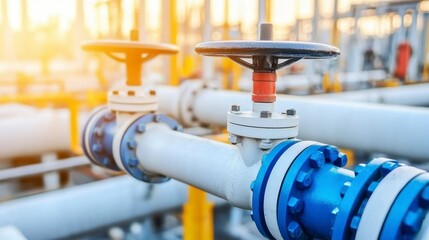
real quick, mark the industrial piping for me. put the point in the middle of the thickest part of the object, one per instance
(295, 189)
(413, 95)
(346, 124)
(75, 210)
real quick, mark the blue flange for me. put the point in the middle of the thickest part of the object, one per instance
(100, 138)
(297, 180)
(258, 186)
(355, 197)
(128, 146)
(408, 211)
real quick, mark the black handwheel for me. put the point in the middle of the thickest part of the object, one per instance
(265, 54)
(135, 53)
(266, 57)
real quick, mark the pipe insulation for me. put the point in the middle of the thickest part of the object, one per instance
(401, 131)
(75, 210)
(49, 130)
(214, 167)
(413, 95)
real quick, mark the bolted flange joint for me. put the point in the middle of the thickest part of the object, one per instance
(98, 137)
(128, 146)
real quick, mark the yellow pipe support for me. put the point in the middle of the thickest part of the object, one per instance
(425, 74)
(226, 67)
(236, 74)
(337, 86)
(268, 10)
(326, 83)
(58, 99)
(33, 98)
(174, 25)
(351, 161)
(75, 146)
(226, 63)
(198, 216)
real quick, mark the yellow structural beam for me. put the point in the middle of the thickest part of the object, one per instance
(326, 83)
(236, 74)
(174, 31)
(226, 63)
(425, 74)
(60, 99)
(337, 86)
(198, 216)
(351, 161)
(268, 10)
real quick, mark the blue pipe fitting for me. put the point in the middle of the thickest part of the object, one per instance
(408, 210)
(316, 187)
(98, 138)
(128, 146)
(258, 186)
(319, 199)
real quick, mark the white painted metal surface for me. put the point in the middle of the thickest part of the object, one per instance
(274, 184)
(381, 200)
(413, 95)
(28, 131)
(212, 166)
(251, 124)
(59, 214)
(397, 130)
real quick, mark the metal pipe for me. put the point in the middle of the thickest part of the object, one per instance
(41, 168)
(68, 212)
(38, 123)
(396, 130)
(203, 163)
(414, 95)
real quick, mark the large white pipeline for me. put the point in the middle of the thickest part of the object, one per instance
(26, 131)
(397, 130)
(212, 166)
(413, 95)
(67, 212)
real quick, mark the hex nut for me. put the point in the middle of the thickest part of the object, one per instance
(303, 180)
(291, 112)
(294, 230)
(265, 144)
(233, 139)
(317, 159)
(235, 108)
(295, 205)
(265, 114)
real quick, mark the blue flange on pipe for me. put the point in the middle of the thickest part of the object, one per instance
(331, 199)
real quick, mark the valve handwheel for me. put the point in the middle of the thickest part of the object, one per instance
(131, 98)
(135, 53)
(266, 57)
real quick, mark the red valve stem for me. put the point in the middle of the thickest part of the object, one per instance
(264, 87)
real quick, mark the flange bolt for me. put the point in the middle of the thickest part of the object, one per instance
(291, 112)
(266, 114)
(294, 230)
(235, 108)
(295, 205)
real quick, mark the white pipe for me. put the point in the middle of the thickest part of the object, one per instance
(40, 168)
(63, 213)
(212, 166)
(414, 95)
(396, 130)
(27, 131)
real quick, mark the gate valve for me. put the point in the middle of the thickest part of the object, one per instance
(109, 138)
(131, 98)
(265, 57)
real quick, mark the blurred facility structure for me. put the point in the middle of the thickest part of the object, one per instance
(200, 119)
